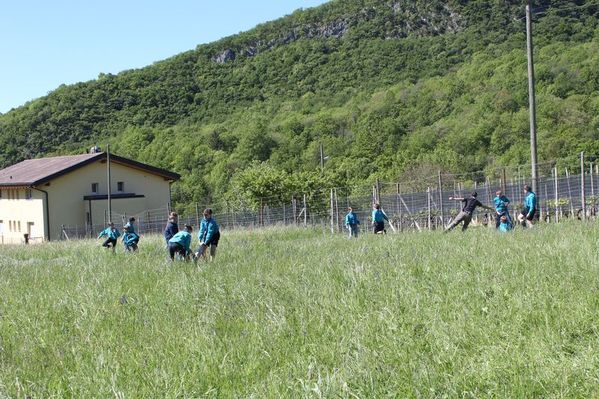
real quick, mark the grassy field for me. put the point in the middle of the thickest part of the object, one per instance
(297, 313)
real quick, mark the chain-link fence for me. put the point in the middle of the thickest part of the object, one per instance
(418, 202)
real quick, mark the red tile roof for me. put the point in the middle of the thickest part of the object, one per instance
(36, 171)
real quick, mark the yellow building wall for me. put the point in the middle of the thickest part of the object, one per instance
(20, 216)
(67, 206)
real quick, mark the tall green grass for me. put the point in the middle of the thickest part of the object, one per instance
(300, 313)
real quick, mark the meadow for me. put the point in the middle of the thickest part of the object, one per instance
(300, 313)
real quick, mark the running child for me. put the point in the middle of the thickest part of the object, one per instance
(112, 233)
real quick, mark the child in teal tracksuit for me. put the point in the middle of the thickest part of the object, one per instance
(208, 236)
(352, 222)
(180, 243)
(130, 239)
(112, 233)
(378, 219)
(505, 224)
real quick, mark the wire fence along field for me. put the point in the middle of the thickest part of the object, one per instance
(422, 202)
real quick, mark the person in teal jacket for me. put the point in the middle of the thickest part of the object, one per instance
(378, 219)
(130, 239)
(352, 222)
(501, 203)
(112, 233)
(505, 224)
(208, 236)
(180, 243)
(527, 216)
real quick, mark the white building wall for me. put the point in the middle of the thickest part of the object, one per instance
(21, 211)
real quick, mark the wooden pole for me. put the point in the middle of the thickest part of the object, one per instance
(108, 182)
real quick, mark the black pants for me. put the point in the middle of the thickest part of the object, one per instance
(379, 227)
(108, 242)
(174, 248)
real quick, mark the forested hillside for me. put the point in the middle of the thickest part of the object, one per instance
(388, 87)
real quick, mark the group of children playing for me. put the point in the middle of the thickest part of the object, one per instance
(503, 221)
(130, 237)
(178, 241)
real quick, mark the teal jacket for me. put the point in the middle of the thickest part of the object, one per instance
(130, 238)
(531, 202)
(505, 227)
(208, 228)
(111, 233)
(182, 238)
(351, 219)
(378, 216)
(500, 203)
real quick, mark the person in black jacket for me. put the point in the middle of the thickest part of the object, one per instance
(172, 227)
(465, 215)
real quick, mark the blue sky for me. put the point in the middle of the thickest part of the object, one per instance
(44, 43)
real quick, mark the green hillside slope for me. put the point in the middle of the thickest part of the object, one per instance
(386, 86)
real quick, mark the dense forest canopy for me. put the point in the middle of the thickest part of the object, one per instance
(387, 87)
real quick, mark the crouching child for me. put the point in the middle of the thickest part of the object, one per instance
(180, 244)
(505, 224)
(130, 239)
(208, 236)
(112, 233)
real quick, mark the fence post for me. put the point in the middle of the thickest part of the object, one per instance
(305, 212)
(337, 210)
(294, 208)
(441, 199)
(569, 193)
(378, 190)
(582, 187)
(399, 206)
(557, 206)
(504, 181)
(332, 205)
(428, 201)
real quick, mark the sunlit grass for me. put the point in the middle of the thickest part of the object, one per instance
(300, 313)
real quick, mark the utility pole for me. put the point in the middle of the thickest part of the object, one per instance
(108, 184)
(321, 159)
(531, 98)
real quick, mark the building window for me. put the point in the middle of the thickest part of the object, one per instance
(19, 226)
(0, 194)
(10, 226)
(17, 192)
(95, 188)
(1, 226)
(120, 186)
(28, 193)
